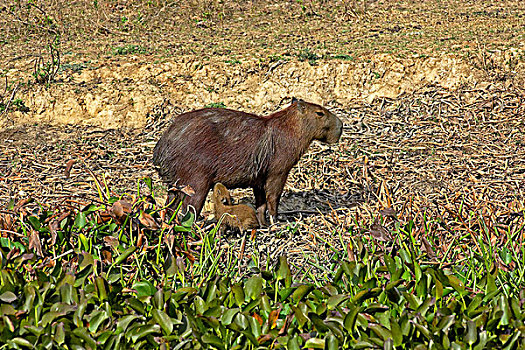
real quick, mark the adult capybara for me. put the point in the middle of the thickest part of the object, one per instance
(211, 145)
(239, 216)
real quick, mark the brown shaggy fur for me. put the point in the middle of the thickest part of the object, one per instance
(239, 216)
(211, 145)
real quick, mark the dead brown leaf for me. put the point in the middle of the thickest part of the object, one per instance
(273, 317)
(380, 233)
(148, 221)
(69, 165)
(258, 318)
(427, 248)
(120, 210)
(287, 322)
(264, 338)
(111, 241)
(34, 243)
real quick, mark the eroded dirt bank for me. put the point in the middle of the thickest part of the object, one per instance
(117, 92)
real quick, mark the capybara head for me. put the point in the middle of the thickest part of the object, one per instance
(328, 128)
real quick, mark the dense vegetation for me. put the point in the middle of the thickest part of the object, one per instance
(115, 274)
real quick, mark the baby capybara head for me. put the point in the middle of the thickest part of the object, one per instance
(221, 195)
(325, 125)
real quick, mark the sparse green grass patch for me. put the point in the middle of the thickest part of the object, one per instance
(215, 105)
(129, 50)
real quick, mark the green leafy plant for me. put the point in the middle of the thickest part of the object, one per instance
(45, 70)
(130, 274)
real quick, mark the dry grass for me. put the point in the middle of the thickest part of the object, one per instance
(264, 28)
(450, 163)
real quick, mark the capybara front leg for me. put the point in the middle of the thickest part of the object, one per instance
(274, 189)
(260, 204)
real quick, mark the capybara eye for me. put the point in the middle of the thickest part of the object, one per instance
(319, 113)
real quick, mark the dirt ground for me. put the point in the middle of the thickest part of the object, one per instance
(430, 93)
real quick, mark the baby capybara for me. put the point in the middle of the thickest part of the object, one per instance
(239, 216)
(211, 145)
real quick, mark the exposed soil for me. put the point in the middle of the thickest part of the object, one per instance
(430, 94)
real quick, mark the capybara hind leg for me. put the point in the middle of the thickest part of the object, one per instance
(260, 205)
(198, 199)
(173, 200)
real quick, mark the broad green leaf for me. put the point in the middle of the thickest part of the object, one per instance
(124, 255)
(125, 321)
(284, 273)
(144, 288)
(101, 288)
(284, 293)
(505, 255)
(183, 292)
(213, 340)
(350, 319)
(335, 300)
(8, 297)
(314, 343)
(397, 334)
(507, 314)
(472, 333)
(8, 324)
(438, 289)
(80, 220)
(253, 287)
(142, 331)
(83, 241)
(331, 342)
(382, 332)
(318, 322)
(33, 220)
(456, 284)
(299, 315)
(95, 319)
(83, 334)
(85, 259)
(136, 305)
(301, 292)
(22, 342)
(163, 320)
(238, 294)
(293, 343)
(445, 323)
(49, 317)
(241, 320)
(188, 219)
(60, 334)
(228, 315)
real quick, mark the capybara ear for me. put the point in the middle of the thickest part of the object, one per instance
(294, 99)
(301, 105)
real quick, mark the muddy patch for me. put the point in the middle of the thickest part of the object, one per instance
(113, 93)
